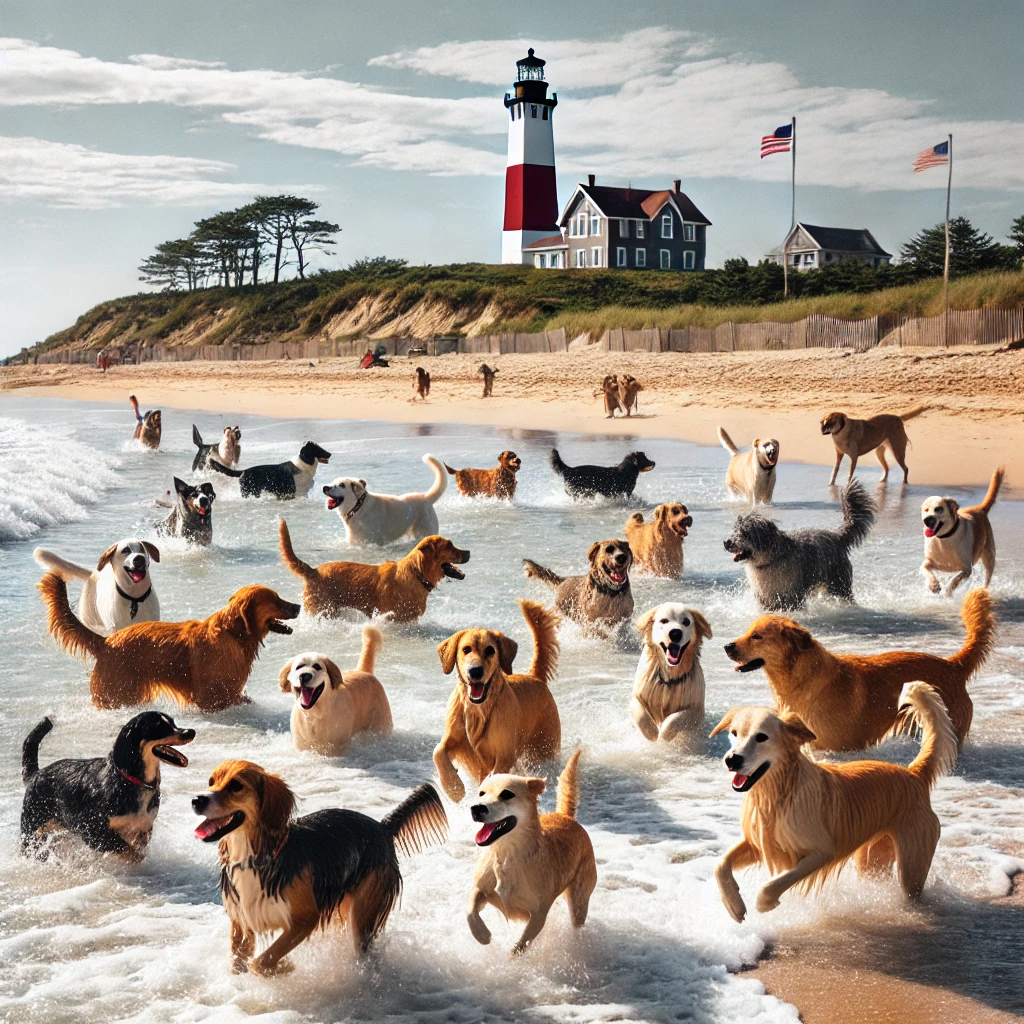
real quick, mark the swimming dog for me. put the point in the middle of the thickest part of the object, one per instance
(495, 719)
(806, 819)
(280, 480)
(148, 426)
(384, 518)
(109, 802)
(784, 568)
(488, 375)
(751, 475)
(609, 390)
(489, 483)
(119, 591)
(192, 518)
(849, 701)
(530, 859)
(202, 663)
(331, 707)
(858, 437)
(956, 539)
(422, 385)
(657, 546)
(601, 598)
(610, 481)
(227, 451)
(629, 392)
(668, 688)
(294, 875)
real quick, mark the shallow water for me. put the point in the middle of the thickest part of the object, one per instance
(91, 940)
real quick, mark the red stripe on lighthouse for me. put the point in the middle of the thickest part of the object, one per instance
(531, 198)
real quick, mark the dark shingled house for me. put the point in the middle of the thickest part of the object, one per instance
(810, 246)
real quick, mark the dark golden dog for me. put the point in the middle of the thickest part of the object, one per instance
(657, 546)
(488, 375)
(148, 426)
(422, 385)
(489, 483)
(858, 437)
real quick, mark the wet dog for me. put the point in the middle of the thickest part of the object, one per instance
(109, 802)
(422, 385)
(488, 375)
(657, 546)
(530, 859)
(148, 426)
(489, 483)
(858, 437)
(279, 480)
(610, 481)
(228, 451)
(785, 568)
(192, 518)
(751, 475)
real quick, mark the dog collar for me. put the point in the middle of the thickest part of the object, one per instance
(260, 862)
(135, 602)
(356, 507)
(946, 536)
(134, 781)
(603, 587)
(674, 682)
(427, 585)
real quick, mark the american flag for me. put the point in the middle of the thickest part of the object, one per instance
(932, 157)
(778, 141)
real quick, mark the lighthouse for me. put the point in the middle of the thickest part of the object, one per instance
(531, 201)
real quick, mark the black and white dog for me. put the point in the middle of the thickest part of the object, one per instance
(227, 451)
(109, 802)
(192, 518)
(283, 479)
(610, 481)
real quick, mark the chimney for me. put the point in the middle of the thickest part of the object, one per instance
(677, 184)
(591, 179)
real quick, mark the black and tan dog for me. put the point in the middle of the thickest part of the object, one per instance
(227, 451)
(148, 426)
(488, 375)
(192, 518)
(609, 481)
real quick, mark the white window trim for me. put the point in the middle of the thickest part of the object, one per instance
(664, 259)
(666, 217)
(639, 229)
(689, 260)
(689, 232)
(595, 225)
(641, 258)
(581, 257)
(620, 256)
(595, 257)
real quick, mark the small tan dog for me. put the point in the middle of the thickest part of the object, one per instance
(629, 390)
(499, 482)
(657, 546)
(858, 437)
(751, 475)
(610, 390)
(805, 819)
(422, 385)
(530, 859)
(330, 707)
(488, 375)
(956, 539)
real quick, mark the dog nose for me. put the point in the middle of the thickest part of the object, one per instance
(620, 558)
(476, 673)
(479, 812)
(675, 635)
(306, 677)
(200, 803)
(186, 735)
(734, 762)
(139, 562)
(730, 649)
(929, 521)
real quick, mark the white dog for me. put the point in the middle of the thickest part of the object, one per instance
(119, 592)
(668, 689)
(331, 707)
(383, 518)
(751, 474)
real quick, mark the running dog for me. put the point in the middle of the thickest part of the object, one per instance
(668, 689)
(280, 480)
(119, 591)
(785, 568)
(489, 483)
(530, 859)
(422, 385)
(330, 707)
(849, 700)
(629, 391)
(294, 875)
(496, 720)
(488, 375)
(751, 475)
(228, 451)
(806, 819)
(657, 546)
(858, 437)
(201, 663)
(384, 518)
(192, 518)
(609, 390)
(109, 802)
(610, 481)
(956, 539)
(148, 426)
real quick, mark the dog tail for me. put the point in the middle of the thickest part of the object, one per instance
(135, 406)
(451, 472)
(288, 556)
(990, 497)
(556, 462)
(74, 636)
(922, 705)
(440, 480)
(30, 750)
(727, 442)
(858, 514)
(221, 468)
(916, 411)
(636, 517)
(534, 571)
(418, 821)
(980, 624)
(373, 640)
(543, 623)
(54, 563)
(568, 798)
(197, 440)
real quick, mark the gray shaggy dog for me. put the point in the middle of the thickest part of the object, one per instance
(783, 568)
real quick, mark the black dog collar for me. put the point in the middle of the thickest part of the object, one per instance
(946, 536)
(134, 781)
(427, 585)
(135, 601)
(356, 507)
(608, 591)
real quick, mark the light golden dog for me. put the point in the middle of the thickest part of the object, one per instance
(629, 391)
(956, 539)
(489, 483)
(530, 859)
(495, 719)
(855, 438)
(609, 390)
(657, 546)
(751, 475)
(804, 819)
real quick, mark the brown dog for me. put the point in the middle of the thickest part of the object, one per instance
(629, 390)
(422, 385)
(489, 483)
(657, 546)
(400, 588)
(488, 374)
(858, 437)
(205, 663)
(849, 700)
(610, 390)
(148, 427)
(496, 719)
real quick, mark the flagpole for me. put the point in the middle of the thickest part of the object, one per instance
(792, 210)
(945, 270)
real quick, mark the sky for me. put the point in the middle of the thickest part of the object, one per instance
(123, 123)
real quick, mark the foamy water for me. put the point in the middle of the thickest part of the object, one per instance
(89, 939)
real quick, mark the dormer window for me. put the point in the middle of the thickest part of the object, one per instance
(666, 226)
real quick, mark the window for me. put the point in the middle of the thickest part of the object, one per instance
(556, 257)
(623, 229)
(641, 257)
(581, 257)
(533, 110)
(808, 259)
(581, 226)
(666, 226)
(542, 260)
(665, 258)
(689, 259)
(595, 257)
(572, 229)
(620, 256)
(689, 232)
(545, 113)
(639, 229)
(595, 226)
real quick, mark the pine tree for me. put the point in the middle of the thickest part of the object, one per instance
(970, 250)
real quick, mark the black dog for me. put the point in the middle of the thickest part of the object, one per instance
(283, 480)
(110, 802)
(192, 518)
(783, 568)
(610, 481)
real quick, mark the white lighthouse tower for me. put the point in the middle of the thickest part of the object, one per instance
(531, 200)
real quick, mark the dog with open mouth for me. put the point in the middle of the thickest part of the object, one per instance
(331, 706)
(282, 480)
(148, 425)
(751, 474)
(805, 819)
(668, 689)
(109, 802)
(294, 875)
(528, 859)
(192, 518)
(489, 483)
(227, 451)
(657, 546)
(495, 719)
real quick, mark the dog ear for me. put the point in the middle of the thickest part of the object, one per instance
(152, 550)
(953, 506)
(276, 803)
(447, 650)
(333, 673)
(106, 557)
(535, 786)
(283, 675)
(702, 624)
(797, 729)
(207, 489)
(644, 623)
(798, 636)
(625, 546)
(181, 487)
(362, 483)
(594, 549)
(724, 723)
(507, 650)
(660, 513)
(755, 443)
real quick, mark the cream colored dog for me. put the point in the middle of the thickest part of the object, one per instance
(751, 475)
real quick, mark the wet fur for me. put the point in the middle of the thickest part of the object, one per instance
(148, 427)
(657, 546)
(187, 521)
(283, 480)
(751, 474)
(489, 483)
(609, 481)
(228, 451)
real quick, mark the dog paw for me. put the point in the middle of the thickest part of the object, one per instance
(239, 965)
(519, 949)
(933, 586)
(480, 931)
(266, 968)
(766, 900)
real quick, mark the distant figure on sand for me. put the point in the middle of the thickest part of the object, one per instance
(629, 389)
(147, 427)
(422, 385)
(610, 389)
(488, 375)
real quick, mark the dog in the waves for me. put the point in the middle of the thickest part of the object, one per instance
(657, 546)
(192, 518)
(499, 482)
(227, 451)
(280, 480)
(608, 481)
(148, 426)
(751, 474)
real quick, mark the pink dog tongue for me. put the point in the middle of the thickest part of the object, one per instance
(208, 827)
(929, 533)
(306, 695)
(485, 833)
(739, 780)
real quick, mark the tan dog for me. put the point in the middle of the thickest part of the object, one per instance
(629, 390)
(657, 546)
(751, 475)
(397, 588)
(488, 375)
(610, 390)
(858, 437)
(148, 426)
(422, 385)
(489, 483)
(849, 700)
(530, 859)
(956, 539)
(330, 708)
(496, 719)
(804, 819)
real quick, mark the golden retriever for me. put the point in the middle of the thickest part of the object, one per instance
(629, 390)
(609, 389)
(858, 437)
(489, 483)
(422, 385)
(751, 475)
(657, 546)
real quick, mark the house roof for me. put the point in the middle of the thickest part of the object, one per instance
(548, 242)
(844, 239)
(639, 203)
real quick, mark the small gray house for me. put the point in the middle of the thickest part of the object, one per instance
(811, 246)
